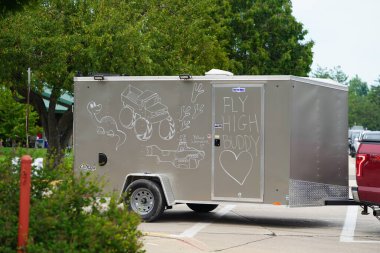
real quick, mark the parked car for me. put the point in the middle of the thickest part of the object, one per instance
(352, 135)
(357, 128)
(356, 141)
(369, 136)
(365, 135)
(368, 172)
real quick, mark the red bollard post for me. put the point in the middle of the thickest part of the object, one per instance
(25, 183)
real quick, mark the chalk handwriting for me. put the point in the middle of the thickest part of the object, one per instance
(230, 104)
(198, 110)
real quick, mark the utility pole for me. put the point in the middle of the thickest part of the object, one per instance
(27, 108)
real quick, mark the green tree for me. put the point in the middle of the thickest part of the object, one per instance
(7, 6)
(12, 118)
(265, 38)
(335, 73)
(374, 93)
(364, 104)
(358, 86)
(59, 39)
(374, 98)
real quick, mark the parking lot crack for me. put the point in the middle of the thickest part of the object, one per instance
(271, 233)
(243, 244)
(189, 241)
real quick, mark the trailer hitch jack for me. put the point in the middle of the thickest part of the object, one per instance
(365, 210)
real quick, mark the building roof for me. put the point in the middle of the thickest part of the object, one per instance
(63, 103)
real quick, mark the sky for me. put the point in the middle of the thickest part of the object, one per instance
(346, 33)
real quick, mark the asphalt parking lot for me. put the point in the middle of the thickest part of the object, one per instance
(264, 228)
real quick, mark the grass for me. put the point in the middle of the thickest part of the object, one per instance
(33, 152)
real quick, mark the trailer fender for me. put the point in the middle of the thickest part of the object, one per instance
(161, 179)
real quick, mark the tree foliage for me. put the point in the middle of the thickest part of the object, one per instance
(364, 104)
(359, 87)
(363, 111)
(374, 94)
(13, 117)
(265, 38)
(58, 39)
(335, 73)
(61, 39)
(7, 6)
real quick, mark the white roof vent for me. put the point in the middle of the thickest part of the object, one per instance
(218, 72)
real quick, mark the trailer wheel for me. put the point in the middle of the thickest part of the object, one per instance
(202, 208)
(146, 199)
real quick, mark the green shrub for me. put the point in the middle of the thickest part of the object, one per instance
(33, 152)
(58, 222)
(9, 196)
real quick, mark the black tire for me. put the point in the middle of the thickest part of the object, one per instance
(352, 151)
(202, 208)
(145, 198)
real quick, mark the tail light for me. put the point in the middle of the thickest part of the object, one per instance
(361, 159)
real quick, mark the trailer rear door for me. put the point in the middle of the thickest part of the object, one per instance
(238, 125)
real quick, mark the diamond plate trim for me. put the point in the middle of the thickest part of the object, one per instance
(305, 193)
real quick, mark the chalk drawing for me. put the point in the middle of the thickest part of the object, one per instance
(197, 90)
(141, 110)
(106, 125)
(167, 131)
(238, 167)
(185, 112)
(198, 110)
(184, 157)
(192, 111)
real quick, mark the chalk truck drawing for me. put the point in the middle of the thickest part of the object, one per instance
(184, 157)
(105, 125)
(146, 109)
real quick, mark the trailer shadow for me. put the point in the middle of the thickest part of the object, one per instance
(248, 220)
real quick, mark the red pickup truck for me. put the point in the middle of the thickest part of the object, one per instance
(368, 173)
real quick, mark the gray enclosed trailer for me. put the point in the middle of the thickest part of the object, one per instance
(204, 140)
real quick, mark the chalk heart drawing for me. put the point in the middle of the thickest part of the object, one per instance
(238, 167)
